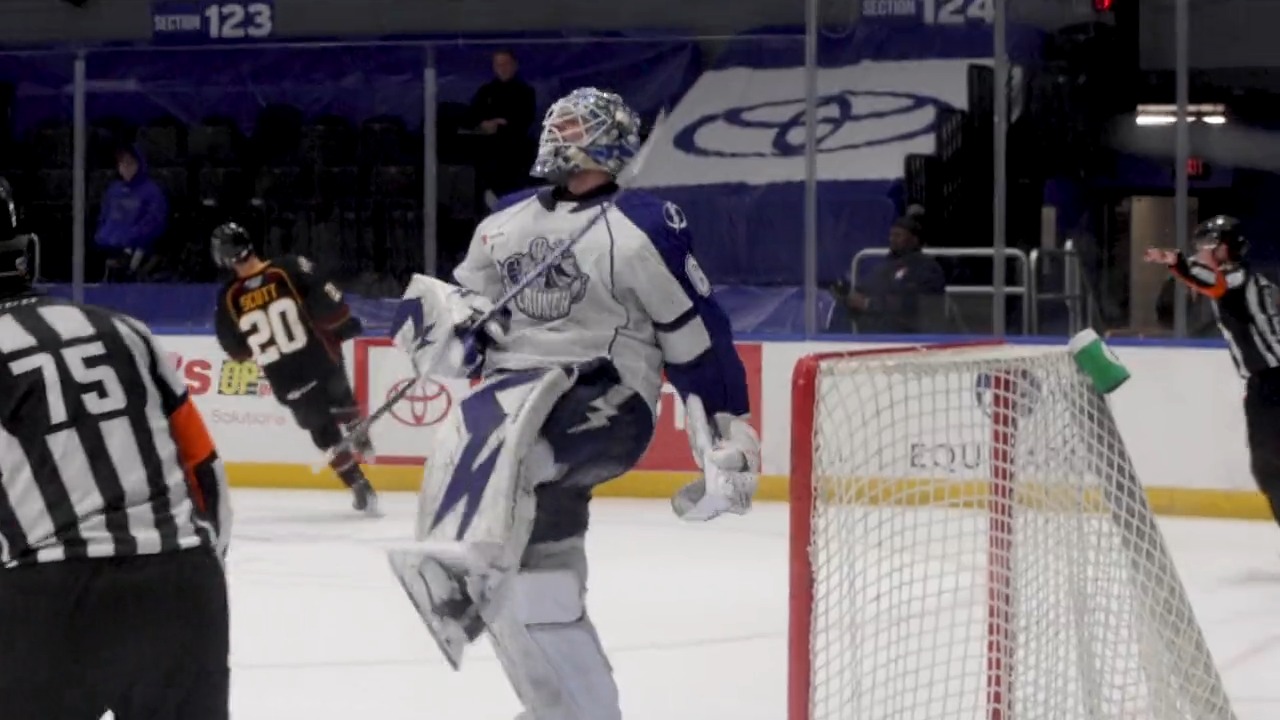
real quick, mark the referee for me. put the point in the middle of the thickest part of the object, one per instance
(1244, 304)
(113, 517)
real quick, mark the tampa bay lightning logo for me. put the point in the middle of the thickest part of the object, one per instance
(552, 296)
(846, 120)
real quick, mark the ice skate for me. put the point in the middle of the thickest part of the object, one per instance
(365, 498)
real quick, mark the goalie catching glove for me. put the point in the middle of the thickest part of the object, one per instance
(436, 325)
(728, 453)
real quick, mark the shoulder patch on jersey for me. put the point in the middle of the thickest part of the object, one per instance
(305, 264)
(674, 216)
(333, 292)
(696, 277)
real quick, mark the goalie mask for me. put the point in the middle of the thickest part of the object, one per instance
(588, 129)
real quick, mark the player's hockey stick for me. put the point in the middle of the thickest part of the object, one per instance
(625, 181)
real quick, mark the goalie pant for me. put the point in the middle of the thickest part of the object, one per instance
(145, 637)
(1262, 423)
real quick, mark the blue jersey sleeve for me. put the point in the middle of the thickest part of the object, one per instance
(691, 328)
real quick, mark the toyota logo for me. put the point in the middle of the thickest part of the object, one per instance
(846, 120)
(426, 404)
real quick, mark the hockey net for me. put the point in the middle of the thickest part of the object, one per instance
(970, 542)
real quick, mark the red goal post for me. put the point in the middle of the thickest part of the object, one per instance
(804, 388)
(921, 591)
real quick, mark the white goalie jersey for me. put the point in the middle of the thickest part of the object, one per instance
(630, 290)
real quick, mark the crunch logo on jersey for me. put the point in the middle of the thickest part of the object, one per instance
(553, 296)
(242, 378)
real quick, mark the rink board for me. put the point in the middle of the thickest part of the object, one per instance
(1187, 446)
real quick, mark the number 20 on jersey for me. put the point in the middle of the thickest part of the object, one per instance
(274, 330)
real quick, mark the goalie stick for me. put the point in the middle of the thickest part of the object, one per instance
(358, 432)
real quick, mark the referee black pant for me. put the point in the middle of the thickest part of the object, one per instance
(145, 637)
(1262, 421)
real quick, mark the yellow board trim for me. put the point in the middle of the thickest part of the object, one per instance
(1185, 502)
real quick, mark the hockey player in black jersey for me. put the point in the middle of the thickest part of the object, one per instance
(1245, 305)
(292, 322)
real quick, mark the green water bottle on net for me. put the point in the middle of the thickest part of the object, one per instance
(1097, 361)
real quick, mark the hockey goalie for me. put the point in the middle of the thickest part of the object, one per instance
(603, 295)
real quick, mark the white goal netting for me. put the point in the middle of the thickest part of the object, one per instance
(977, 546)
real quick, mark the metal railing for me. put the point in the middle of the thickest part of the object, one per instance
(1023, 273)
(1030, 272)
(1074, 295)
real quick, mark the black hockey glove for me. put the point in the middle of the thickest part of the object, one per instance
(348, 329)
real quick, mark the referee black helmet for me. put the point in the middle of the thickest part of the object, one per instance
(1222, 230)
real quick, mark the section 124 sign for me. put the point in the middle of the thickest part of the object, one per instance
(197, 23)
(930, 12)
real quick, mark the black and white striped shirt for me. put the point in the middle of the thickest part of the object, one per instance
(1245, 304)
(102, 453)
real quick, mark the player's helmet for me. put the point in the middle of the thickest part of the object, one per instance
(17, 264)
(17, 252)
(1222, 230)
(588, 129)
(230, 244)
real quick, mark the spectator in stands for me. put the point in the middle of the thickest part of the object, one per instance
(505, 108)
(903, 295)
(134, 215)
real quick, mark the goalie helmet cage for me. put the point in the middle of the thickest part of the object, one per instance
(969, 541)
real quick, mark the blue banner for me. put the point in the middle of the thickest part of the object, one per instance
(209, 22)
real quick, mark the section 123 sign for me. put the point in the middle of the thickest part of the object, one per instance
(200, 23)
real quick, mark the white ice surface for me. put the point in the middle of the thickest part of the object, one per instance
(693, 616)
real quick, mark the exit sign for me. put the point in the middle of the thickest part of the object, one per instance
(1197, 169)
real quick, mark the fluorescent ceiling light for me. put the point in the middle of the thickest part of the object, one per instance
(1208, 113)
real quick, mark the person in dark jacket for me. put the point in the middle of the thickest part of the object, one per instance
(504, 108)
(906, 293)
(134, 215)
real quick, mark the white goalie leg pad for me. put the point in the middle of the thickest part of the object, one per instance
(477, 502)
(546, 642)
